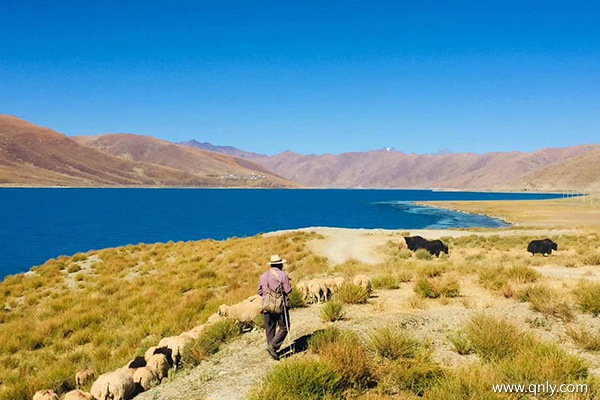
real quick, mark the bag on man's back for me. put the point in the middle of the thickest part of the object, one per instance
(273, 302)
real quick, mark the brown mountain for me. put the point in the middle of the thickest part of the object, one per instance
(394, 169)
(229, 150)
(580, 172)
(225, 170)
(37, 156)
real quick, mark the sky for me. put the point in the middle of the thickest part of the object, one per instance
(309, 76)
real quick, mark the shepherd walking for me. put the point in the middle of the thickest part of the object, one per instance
(274, 289)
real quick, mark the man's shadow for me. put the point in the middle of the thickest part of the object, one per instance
(298, 346)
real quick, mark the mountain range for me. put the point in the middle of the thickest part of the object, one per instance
(37, 156)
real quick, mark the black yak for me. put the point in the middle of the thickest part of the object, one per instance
(542, 246)
(415, 243)
(434, 247)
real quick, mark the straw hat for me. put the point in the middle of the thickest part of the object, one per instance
(276, 260)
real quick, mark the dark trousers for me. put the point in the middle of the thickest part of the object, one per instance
(271, 323)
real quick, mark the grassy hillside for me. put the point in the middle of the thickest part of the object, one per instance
(100, 309)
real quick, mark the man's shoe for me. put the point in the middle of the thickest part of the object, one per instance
(272, 352)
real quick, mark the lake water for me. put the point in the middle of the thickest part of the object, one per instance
(38, 224)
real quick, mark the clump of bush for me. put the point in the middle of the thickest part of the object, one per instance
(423, 254)
(415, 376)
(587, 340)
(296, 300)
(587, 296)
(347, 356)
(434, 288)
(461, 342)
(211, 341)
(352, 294)
(547, 301)
(299, 378)
(385, 282)
(393, 342)
(493, 339)
(333, 310)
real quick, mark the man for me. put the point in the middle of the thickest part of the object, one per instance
(275, 281)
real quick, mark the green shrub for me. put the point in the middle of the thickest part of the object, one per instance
(393, 342)
(523, 274)
(547, 301)
(473, 382)
(405, 275)
(415, 376)
(73, 268)
(493, 339)
(541, 362)
(352, 294)
(493, 278)
(404, 254)
(431, 271)
(323, 337)
(300, 379)
(211, 340)
(437, 287)
(461, 342)
(587, 296)
(592, 259)
(296, 300)
(423, 254)
(587, 340)
(331, 311)
(385, 282)
(348, 357)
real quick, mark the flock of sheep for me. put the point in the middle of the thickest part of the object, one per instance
(145, 372)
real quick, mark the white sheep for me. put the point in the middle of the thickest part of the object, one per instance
(83, 377)
(339, 282)
(46, 394)
(214, 318)
(302, 288)
(402, 244)
(244, 311)
(195, 332)
(159, 364)
(149, 353)
(317, 290)
(78, 395)
(363, 281)
(145, 377)
(117, 385)
(176, 344)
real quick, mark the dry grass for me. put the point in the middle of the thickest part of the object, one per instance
(129, 299)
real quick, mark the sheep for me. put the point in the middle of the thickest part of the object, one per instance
(339, 282)
(176, 344)
(333, 284)
(159, 364)
(245, 311)
(302, 288)
(46, 394)
(137, 362)
(194, 333)
(78, 395)
(117, 385)
(145, 378)
(214, 318)
(149, 353)
(317, 290)
(83, 377)
(363, 281)
(402, 244)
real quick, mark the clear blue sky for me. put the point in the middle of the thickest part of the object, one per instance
(310, 76)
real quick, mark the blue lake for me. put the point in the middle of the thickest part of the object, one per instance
(38, 224)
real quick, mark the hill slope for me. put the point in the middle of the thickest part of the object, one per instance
(226, 169)
(394, 169)
(582, 171)
(229, 150)
(33, 155)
